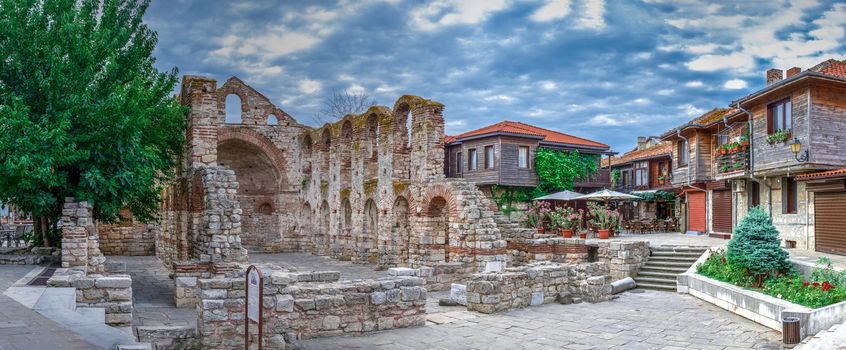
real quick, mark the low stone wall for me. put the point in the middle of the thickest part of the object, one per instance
(556, 249)
(186, 274)
(624, 258)
(131, 238)
(111, 292)
(537, 284)
(295, 308)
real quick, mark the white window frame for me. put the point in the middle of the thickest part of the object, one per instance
(523, 157)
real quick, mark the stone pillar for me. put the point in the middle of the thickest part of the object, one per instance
(199, 94)
(80, 244)
(219, 236)
(427, 142)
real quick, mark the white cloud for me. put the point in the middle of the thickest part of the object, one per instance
(609, 120)
(356, 89)
(549, 85)
(694, 84)
(593, 16)
(553, 9)
(641, 101)
(454, 12)
(735, 84)
(384, 89)
(691, 110)
(500, 98)
(665, 92)
(736, 42)
(308, 86)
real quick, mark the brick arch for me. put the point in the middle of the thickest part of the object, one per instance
(443, 191)
(255, 138)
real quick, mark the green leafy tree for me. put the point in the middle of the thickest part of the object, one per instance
(83, 112)
(755, 246)
(557, 170)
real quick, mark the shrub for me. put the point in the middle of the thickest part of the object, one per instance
(755, 247)
(718, 268)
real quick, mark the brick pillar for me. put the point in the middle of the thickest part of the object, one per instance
(199, 93)
(427, 142)
(80, 243)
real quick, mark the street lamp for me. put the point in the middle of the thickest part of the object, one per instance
(795, 147)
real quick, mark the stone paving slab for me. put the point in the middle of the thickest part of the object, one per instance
(23, 328)
(648, 320)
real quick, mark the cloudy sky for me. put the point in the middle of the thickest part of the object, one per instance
(605, 70)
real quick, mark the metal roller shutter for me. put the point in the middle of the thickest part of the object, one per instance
(696, 211)
(721, 209)
(830, 222)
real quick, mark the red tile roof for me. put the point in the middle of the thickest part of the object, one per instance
(531, 130)
(449, 139)
(663, 148)
(823, 174)
(832, 67)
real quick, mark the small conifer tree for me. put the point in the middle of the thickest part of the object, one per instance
(755, 246)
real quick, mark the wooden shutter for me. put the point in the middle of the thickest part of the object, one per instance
(829, 209)
(721, 209)
(696, 211)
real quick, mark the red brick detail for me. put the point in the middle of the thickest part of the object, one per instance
(570, 249)
(255, 138)
(477, 251)
(442, 191)
(521, 246)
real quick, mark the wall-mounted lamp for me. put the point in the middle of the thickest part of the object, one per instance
(795, 147)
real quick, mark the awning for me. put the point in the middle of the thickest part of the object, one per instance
(560, 196)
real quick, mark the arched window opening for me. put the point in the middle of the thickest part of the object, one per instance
(265, 208)
(272, 120)
(233, 109)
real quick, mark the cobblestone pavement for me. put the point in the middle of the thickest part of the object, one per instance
(153, 293)
(23, 328)
(309, 262)
(645, 320)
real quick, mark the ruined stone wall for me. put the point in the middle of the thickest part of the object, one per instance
(80, 242)
(623, 257)
(128, 237)
(537, 284)
(110, 292)
(366, 188)
(301, 306)
(557, 249)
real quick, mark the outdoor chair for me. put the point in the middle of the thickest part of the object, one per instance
(637, 226)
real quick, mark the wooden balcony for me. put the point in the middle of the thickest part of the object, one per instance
(602, 178)
(731, 164)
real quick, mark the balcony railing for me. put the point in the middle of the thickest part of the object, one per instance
(729, 163)
(602, 177)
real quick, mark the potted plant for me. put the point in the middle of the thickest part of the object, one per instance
(744, 140)
(569, 219)
(536, 214)
(604, 219)
(778, 136)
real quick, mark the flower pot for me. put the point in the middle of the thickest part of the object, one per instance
(745, 143)
(583, 235)
(567, 233)
(540, 230)
(723, 151)
(604, 234)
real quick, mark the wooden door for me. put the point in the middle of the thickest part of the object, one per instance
(830, 221)
(721, 209)
(696, 211)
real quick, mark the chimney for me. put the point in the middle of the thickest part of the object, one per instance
(793, 71)
(641, 142)
(774, 76)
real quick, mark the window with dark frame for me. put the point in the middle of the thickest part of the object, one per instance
(471, 159)
(754, 194)
(459, 163)
(789, 194)
(780, 116)
(489, 157)
(641, 172)
(684, 153)
(523, 157)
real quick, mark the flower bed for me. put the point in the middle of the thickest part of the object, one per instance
(824, 287)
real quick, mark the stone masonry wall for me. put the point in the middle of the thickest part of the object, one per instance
(80, 243)
(537, 284)
(560, 250)
(110, 292)
(301, 306)
(624, 258)
(130, 238)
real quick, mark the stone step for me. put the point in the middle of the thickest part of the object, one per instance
(655, 274)
(651, 263)
(661, 269)
(656, 286)
(655, 280)
(699, 250)
(689, 260)
(694, 255)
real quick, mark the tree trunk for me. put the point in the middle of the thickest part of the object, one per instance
(45, 230)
